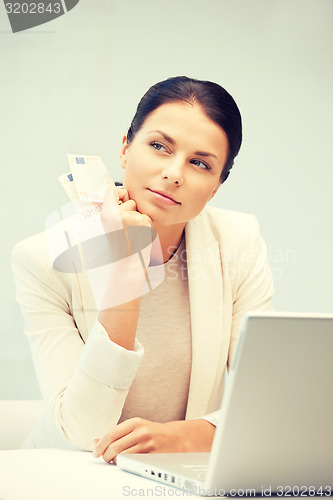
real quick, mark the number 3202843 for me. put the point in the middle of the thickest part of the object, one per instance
(32, 8)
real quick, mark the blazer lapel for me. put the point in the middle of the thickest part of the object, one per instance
(206, 299)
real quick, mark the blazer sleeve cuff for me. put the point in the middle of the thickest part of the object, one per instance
(213, 417)
(108, 362)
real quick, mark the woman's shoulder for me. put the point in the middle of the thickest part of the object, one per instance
(35, 275)
(228, 221)
(234, 231)
(32, 249)
(31, 257)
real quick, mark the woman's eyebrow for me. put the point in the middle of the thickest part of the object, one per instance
(166, 137)
(171, 141)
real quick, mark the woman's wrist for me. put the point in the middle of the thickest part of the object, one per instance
(192, 435)
(121, 322)
(201, 435)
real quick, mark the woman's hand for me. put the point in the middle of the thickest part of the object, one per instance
(127, 210)
(137, 435)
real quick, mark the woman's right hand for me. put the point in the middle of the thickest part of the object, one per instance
(127, 210)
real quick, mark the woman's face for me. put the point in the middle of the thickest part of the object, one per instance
(174, 163)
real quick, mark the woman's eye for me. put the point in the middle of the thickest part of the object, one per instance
(200, 164)
(157, 146)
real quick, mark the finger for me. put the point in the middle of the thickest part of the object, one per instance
(95, 440)
(116, 433)
(123, 195)
(147, 220)
(118, 446)
(134, 449)
(133, 218)
(129, 205)
(137, 448)
(142, 219)
(134, 440)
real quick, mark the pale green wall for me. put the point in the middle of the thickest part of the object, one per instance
(72, 85)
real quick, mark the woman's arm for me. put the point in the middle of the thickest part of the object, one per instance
(84, 384)
(121, 322)
(137, 435)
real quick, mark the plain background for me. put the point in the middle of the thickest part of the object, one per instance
(73, 84)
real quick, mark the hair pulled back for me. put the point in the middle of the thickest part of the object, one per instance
(215, 101)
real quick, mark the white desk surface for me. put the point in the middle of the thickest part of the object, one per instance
(47, 474)
(54, 474)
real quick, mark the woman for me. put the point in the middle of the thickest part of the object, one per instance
(148, 375)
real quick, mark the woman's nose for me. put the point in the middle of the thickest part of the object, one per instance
(174, 172)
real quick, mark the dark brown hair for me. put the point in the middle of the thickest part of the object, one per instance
(216, 102)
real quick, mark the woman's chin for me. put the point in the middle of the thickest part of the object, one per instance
(155, 213)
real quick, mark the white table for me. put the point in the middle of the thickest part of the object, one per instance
(47, 474)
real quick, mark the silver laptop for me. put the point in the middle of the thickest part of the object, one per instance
(275, 433)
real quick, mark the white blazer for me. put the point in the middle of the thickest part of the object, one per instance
(83, 382)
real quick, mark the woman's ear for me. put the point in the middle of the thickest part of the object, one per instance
(212, 195)
(123, 152)
(214, 191)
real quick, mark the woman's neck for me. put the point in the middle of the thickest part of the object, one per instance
(169, 238)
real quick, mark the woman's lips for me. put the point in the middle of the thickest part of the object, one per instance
(164, 197)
